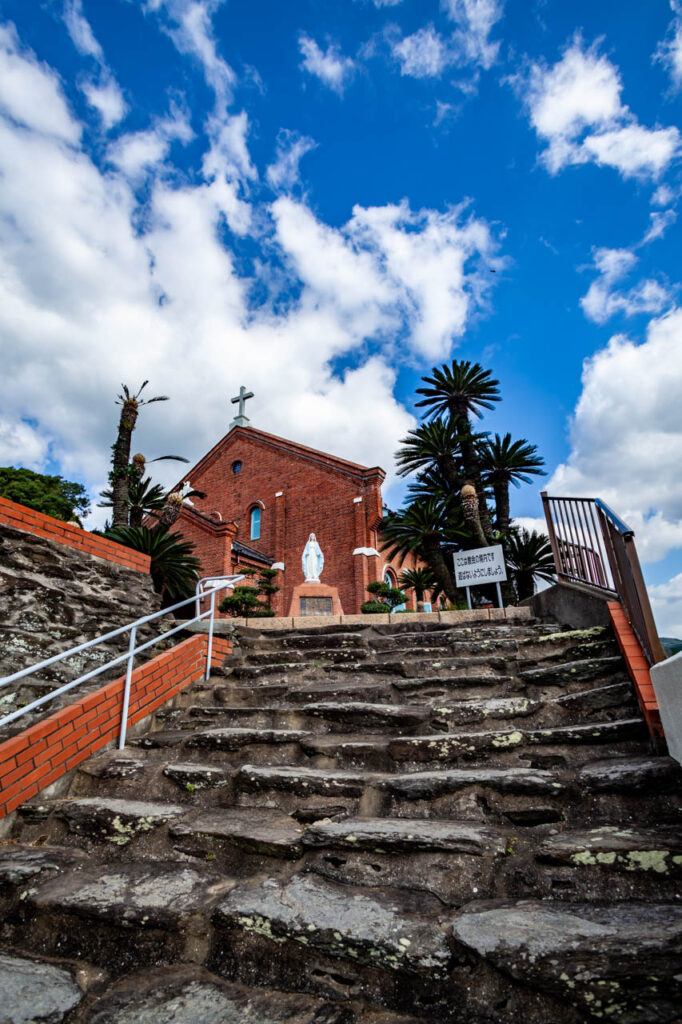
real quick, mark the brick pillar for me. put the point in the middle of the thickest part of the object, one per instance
(360, 577)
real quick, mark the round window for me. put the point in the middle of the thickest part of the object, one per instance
(236, 466)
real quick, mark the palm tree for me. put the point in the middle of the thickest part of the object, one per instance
(174, 568)
(144, 498)
(420, 580)
(505, 462)
(460, 391)
(119, 477)
(529, 556)
(435, 444)
(421, 528)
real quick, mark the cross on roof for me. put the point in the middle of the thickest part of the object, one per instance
(241, 420)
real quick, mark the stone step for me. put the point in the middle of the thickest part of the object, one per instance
(188, 994)
(446, 714)
(613, 962)
(190, 775)
(121, 917)
(422, 684)
(306, 658)
(397, 835)
(231, 739)
(253, 829)
(285, 693)
(35, 990)
(598, 698)
(631, 775)
(282, 928)
(452, 746)
(630, 849)
(417, 667)
(558, 673)
(112, 820)
(309, 716)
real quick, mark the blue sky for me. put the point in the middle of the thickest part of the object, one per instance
(322, 199)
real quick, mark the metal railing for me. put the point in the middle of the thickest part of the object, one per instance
(129, 656)
(594, 547)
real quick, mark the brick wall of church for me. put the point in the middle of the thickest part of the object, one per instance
(316, 497)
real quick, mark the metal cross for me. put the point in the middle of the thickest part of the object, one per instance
(241, 419)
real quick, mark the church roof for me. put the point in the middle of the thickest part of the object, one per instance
(291, 447)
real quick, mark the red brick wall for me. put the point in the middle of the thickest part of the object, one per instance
(26, 519)
(317, 496)
(42, 754)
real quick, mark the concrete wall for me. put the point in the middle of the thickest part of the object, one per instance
(571, 605)
(666, 678)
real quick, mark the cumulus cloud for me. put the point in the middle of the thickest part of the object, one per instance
(603, 301)
(102, 92)
(576, 109)
(284, 173)
(424, 54)
(669, 52)
(666, 603)
(475, 20)
(135, 153)
(330, 66)
(626, 435)
(95, 289)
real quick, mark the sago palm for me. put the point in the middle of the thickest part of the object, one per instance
(434, 444)
(144, 498)
(174, 568)
(529, 557)
(420, 580)
(422, 528)
(505, 462)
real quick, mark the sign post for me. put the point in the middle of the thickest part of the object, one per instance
(479, 566)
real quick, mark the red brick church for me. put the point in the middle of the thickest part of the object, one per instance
(265, 496)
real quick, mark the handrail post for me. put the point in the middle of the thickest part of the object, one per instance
(655, 645)
(126, 689)
(211, 621)
(551, 532)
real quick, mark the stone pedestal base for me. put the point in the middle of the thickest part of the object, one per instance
(315, 599)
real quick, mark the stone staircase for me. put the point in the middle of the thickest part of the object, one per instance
(362, 825)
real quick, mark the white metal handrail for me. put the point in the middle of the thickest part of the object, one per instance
(129, 656)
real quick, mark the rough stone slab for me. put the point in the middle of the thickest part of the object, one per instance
(450, 746)
(342, 746)
(369, 715)
(653, 851)
(307, 781)
(583, 670)
(615, 695)
(114, 767)
(631, 775)
(234, 739)
(593, 732)
(463, 712)
(616, 962)
(198, 776)
(19, 863)
(406, 835)
(415, 683)
(145, 895)
(190, 995)
(34, 991)
(256, 829)
(425, 785)
(114, 820)
(163, 738)
(339, 922)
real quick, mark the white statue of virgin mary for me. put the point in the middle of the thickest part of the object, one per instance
(313, 560)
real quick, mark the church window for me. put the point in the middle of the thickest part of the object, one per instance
(236, 466)
(255, 523)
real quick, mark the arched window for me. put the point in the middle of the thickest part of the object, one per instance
(390, 578)
(255, 523)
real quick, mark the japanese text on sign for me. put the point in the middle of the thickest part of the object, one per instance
(482, 565)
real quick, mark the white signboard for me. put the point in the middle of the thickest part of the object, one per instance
(482, 565)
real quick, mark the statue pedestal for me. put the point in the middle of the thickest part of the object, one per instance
(315, 599)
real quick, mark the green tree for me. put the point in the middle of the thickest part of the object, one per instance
(144, 498)
(433, 446)
(422, 528)
(52, 495)
(460, 391)
(505, 462)
(248, 601)
(420, 580)
(174, 568)
(386, 598)
(529, 557)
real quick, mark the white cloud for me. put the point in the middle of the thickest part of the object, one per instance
(329, 65)
(666, 602)
(138, 152)
(626, 435)
(284, 173)
(424, 54)
(30, 92)
(669, 52)
(663, 196)
(576, 108)
(602, 302)
(81, 32)
(107, 99)
(95, 289)
(475, 20)
(659, 222)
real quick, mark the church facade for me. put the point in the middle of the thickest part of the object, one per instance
(265, 496)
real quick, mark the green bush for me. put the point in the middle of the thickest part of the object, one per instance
(374, 608)
(390, 597)
(252, 602)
